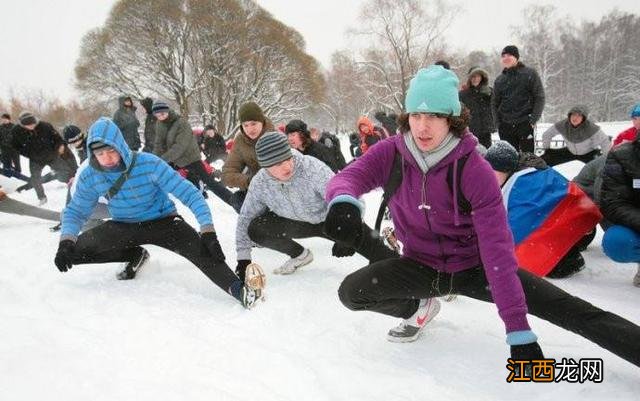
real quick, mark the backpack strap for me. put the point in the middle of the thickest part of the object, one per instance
(463, 203)
(390, 187)
(115, 188)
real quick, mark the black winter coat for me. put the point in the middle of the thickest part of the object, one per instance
(40, 145)
(321, 152)
(214, 147)
(5, 139)
(518, 96)
(620, 192)
(478, 101)
(332, 142)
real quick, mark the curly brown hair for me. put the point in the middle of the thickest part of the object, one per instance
(457, 124)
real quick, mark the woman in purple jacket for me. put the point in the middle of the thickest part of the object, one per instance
(447, 250)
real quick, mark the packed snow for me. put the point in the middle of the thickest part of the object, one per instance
(170, 334)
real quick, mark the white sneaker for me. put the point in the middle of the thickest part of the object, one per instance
(293, 264)
(636, 279)
(409, 329)
(42, 201)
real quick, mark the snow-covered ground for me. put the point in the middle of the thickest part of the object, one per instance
(172, 335)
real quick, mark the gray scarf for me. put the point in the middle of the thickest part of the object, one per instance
(426, 160)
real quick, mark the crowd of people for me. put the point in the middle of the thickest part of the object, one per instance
(483, 219)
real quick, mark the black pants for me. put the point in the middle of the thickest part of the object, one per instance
(11, 160)
(570, 264)
(553, 157)
(197, 171)
(484, 139)
(120, 242)
(400, 283)
(519, 135)
(277, 233)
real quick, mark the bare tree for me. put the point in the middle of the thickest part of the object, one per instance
(406, 35)
(208, 54)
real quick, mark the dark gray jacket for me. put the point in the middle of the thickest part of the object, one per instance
(518, 96)
(175, 142)
(126, 120)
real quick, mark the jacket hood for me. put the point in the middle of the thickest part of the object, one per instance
(579, 109)
(364, 120)
(480, 71)
(106, 131)
(121, 100)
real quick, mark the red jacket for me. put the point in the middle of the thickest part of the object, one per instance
(628, 135)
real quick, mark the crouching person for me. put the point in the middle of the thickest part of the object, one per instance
(285, 200)
(136, 186)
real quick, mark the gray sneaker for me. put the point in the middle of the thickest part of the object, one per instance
(293, 264)
(409, 329)
(636, 278)
(249, 297)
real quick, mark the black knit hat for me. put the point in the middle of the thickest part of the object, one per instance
(503, 157)
(251, 112)
(297, 126)
(27, 118)
(159, 106)
(272, 148)
(71, 133)
(512, 50)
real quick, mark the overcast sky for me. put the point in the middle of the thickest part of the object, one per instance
(40, 39)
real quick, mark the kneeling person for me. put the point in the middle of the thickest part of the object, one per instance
(286, 200)
(136, 186)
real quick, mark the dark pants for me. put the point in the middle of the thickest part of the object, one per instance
(197, 171)
(570, 264)
(519, 135)
(277, 233)
(484, 139)
(61, 171)
(553, 157)
(11, 160)
(400, 283)
(120, 242)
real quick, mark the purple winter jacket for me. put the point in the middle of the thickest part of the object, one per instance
(438, 235)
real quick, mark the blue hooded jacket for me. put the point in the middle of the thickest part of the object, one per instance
(142, 197)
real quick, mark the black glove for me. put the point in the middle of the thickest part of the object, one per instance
(340, 251)
(526, 352)
(241, 268)
(64, 255)
(344, 223)
(211, 246)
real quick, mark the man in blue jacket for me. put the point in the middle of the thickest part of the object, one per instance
(136, 186)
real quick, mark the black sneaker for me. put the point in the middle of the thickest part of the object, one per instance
(131, 268)
(56, 228)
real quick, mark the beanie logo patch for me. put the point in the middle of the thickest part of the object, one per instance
(423, 106)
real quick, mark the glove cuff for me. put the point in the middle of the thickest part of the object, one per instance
(348, 199)
(207, 228)
(521, 337)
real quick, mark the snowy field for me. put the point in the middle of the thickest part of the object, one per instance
(172, 335)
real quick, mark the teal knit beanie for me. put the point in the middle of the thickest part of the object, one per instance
(433, 90)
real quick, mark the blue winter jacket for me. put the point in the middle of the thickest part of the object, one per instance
(142, 197)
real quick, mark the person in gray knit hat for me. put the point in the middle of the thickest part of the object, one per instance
(286, 200)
